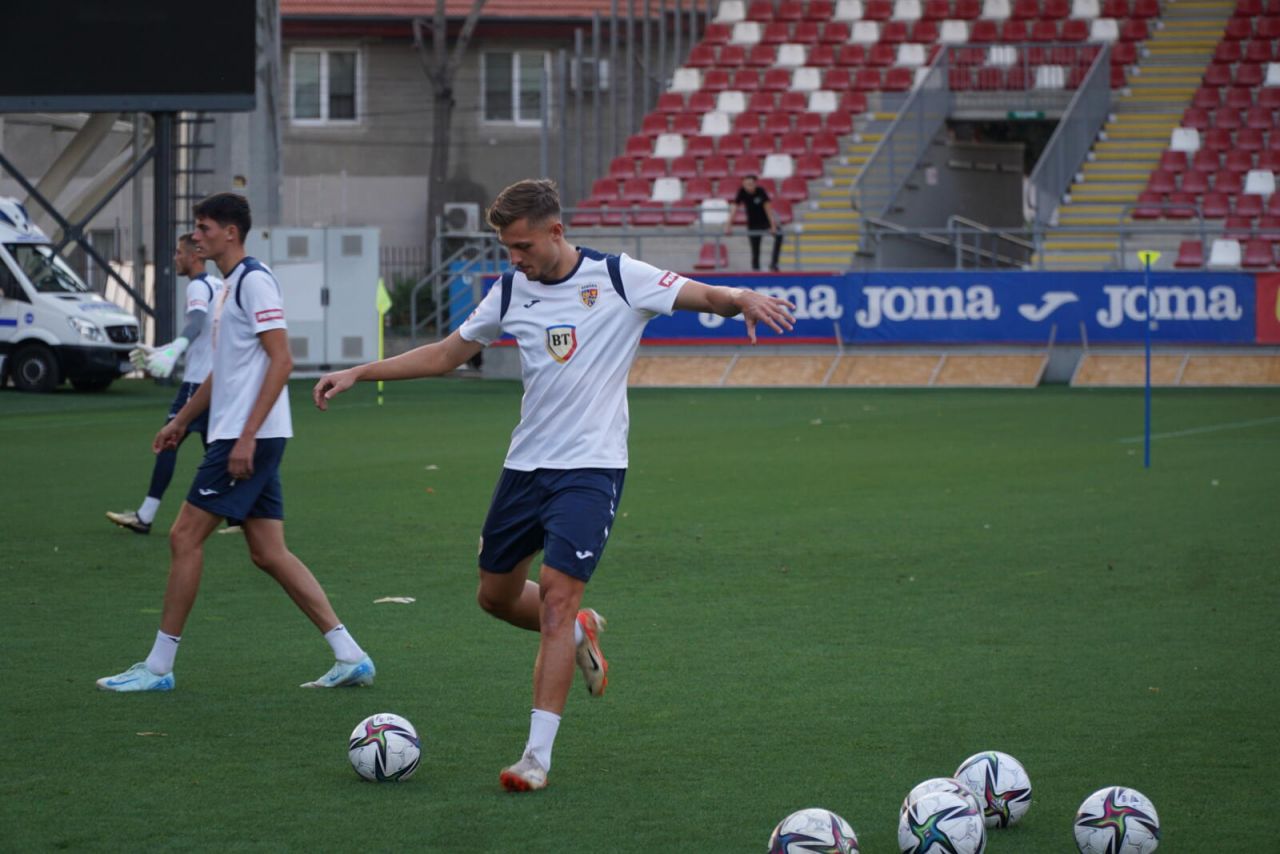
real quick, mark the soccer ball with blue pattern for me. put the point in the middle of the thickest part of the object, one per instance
(1001, 785)
(384, 748)
(940, 784)
(941, 823)
(813, 831)
(1117, 820)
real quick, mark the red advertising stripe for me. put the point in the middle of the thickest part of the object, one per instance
(1267, 288)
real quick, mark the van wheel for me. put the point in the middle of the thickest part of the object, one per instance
(95, 384)
(34, 368)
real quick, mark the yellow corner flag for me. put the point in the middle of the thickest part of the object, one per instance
(1148, 257)
(383, 302)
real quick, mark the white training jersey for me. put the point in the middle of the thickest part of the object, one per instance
(250, 303)
(202, 295)
(577, 340)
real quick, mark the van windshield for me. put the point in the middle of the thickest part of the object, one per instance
(47, 272)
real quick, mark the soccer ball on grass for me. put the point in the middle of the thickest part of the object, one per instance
(384, 748)
(1001, 785)
(1117, 820)
(813, 831)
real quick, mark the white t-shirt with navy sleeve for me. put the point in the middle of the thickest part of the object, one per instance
(250, 303)
(202, 295)
(577, 339)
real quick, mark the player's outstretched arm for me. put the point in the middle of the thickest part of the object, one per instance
(429, 360)
(754, 307)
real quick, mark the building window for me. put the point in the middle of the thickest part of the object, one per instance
(325, 86)
(513, 85)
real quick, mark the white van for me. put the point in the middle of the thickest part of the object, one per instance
(53, 327)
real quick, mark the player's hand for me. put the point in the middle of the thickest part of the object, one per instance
(138, 356)
(162, 360)
(240, 463)
(759, 308)
(169, 437)
(332, 385)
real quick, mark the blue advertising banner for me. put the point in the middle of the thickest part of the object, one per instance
(940, 307)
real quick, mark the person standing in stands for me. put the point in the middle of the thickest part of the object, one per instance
(761, 218)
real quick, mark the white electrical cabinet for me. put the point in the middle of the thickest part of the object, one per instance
(330, 279)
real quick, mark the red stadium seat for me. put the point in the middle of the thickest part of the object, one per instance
(1239, 29)
(1195, 182)
(653, 167)
(820, 10)
(839, 123)
(639, 146)
(776, 79)
(717, 33)
(806, 32)
(701, 102)
(924, 31)
(936, 10)
(851, 56)
(762, 55)
(1148, 206)
(1162, 182)
(1255, 50)
(1077, 31)
(835, 32)
(670, 102)
(761, 102)
(733, 55)
(1026, 10)
(776, 32)
(1239, 97)
(712, 256)
(687, 124)
(1249, 74)
(984, 32)
(702, 56)
(653, 124)
(760, 10)
(1217, 75)
(715, 166)
(1238, 227)
(745, 123)
(893, 32)
(1227, 52)
(967, 10)
(1015, 31)
(882, 55)
(1258, 118)
(1190, 254)
(808, 166)
(1227, 182)
(606, 188)
(1249, 204)
(793, 143)
(822, 56)
(877, 10)
(793, 102)
(778, 122)
(836, 79)
(759, 145)
(825, 145)
(684, 167)
(1258, 253)
(790, 10)
(794, 189)
(1134, 30)
(1056, 9)
(1118, 9)
(1173, 161)
(1146, 9)
(960, 78)
(732, 145)
(1207, 98)
(745, 80)
(809, 123)
(619, 168)
(898, 79)
(1194, 117)
(1044, 31)
(636, 190)
(683, 212)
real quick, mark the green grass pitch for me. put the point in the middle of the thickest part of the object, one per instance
(816, 598)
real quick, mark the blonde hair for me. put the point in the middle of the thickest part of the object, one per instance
(534, 199)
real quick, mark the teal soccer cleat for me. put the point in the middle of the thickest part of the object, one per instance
(346, 674)
(137, 678)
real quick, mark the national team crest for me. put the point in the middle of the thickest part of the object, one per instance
(589, 294)
(562, 342)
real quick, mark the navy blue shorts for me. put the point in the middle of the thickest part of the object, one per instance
(567, 513)
(259, 497)
(186, 391)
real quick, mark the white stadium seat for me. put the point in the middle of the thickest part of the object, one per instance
(806, 80)
(953, 32)
(865, 32)
(667, 190)
(668, 145)
(731, 101)
(1273, 74)
(746, 32)
(1184, 139)
(1224, 254)
(823, 101)
(714, 211)
(779, 167)
(1050, 77)
(1260, 182)
(714, 123)
(1104, 30)
(731, 11)
(686, 80)
(848, 11)
(1085, 9)
(791, 55)
(1002, 55)
(911, 55)
(995, 10)
(906, 10)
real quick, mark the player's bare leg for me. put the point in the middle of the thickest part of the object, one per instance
(560, 595)
(267, 550)
(186, 546)
(511, 596)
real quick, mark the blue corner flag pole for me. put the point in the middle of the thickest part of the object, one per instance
(1147, 257)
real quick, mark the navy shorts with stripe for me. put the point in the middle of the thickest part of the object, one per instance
(186, 391)
(259, 497)
(565, 513)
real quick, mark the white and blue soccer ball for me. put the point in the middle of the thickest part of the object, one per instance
(1001, 785)
(384, 748)
(940, 784)
(1117, 820)
(941, 823)
(813, 831)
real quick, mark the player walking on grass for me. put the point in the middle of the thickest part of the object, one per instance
(202, 293)
(577, 316)
(249, 423)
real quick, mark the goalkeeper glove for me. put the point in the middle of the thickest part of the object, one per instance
(160, 363)
(138, 356)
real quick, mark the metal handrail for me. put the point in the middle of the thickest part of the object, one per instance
(955, 219)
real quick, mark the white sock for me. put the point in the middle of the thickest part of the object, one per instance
(542, 735)
(343, 644)
(163, 652)
(578, 634)
(147, 512)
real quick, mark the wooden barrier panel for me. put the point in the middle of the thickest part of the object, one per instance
(1232, 370)
(780, 370)
(880, 371)
(679, 370)
(1126, 369)
(992, 371)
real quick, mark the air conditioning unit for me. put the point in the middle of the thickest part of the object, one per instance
(461, 218)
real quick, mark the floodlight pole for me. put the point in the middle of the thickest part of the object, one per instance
(164, 225)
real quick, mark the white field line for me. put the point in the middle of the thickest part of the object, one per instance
(1208, 428)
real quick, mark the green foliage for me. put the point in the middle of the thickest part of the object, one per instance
(815, 598)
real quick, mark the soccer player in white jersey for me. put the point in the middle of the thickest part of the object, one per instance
(577, 317)
(249, 422)
(202, 292)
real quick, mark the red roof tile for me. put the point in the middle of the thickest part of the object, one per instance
(453, 8)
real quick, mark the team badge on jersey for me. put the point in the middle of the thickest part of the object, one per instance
(588, 294)
(562, 342)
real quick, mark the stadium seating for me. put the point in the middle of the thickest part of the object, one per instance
(774, 86)
(1226, 152)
